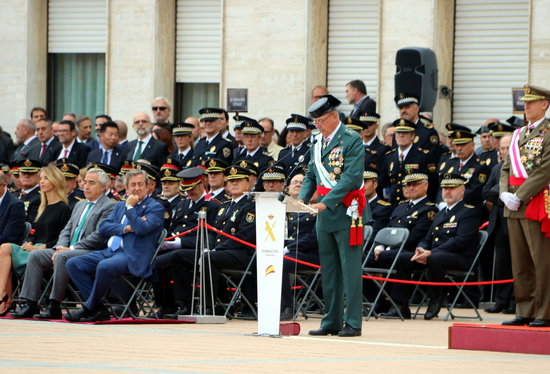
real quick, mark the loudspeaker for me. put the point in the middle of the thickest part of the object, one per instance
(416, 73)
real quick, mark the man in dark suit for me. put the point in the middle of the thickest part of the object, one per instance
(258, 155)
(146, 147)
(110, 152)
(133, 229)
(356, 94)
(298, 151)
(80, 236)
(75, 152)
(213, 145)
(450, 244)
(25, 134)
(12, 215)
(48, 147)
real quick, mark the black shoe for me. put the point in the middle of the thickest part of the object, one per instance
(163, 312)
(76, 315)
(518, 321)
(540, 323)
(497, 308)
(393, 313)
(349, 331)
(181, 311)
(29, 310)
(53, 311)
(100, 314)
(286, 314)
(433, 309)
(322, 332)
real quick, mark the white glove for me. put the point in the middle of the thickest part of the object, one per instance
(510, 200)
(441, 205)
(171, 244)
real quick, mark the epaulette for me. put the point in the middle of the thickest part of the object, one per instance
(383, 202)
(350, 131)
(469, 206)
(425, 151)
(403, 202)
(227, 140)
(391, 150)
(429, 203)
(428, 125)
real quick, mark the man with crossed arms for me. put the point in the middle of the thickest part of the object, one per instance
(80, 236)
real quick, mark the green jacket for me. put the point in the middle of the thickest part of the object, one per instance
(344, 159)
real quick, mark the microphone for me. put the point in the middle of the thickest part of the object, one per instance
(301, 158)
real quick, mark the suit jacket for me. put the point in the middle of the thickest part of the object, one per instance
(289, 161)
(455, 231)
(51, 153)
(90, 237)
(417, 219)
(140, 245)
(219, 147)
(367, 105)
(344, 159)
(155, 151)
(12, 220)
(535, 155)
(78, 155)
(118, 156)
(22, 151)
(491, 192)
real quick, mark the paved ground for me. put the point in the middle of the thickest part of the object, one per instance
(415, 346)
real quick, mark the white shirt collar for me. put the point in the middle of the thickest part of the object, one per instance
(374, 197)
(253, 152)
(29, 140)
(405, 152)
(452, 206)
(414, 202)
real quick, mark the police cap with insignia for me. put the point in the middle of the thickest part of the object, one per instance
(499, 129)
(369, 118)
(425, 120)
(515, 121)
(404, 125)
(354, 124)
(484, 129)
(215, 165)
(402, 99)
(326, 104)
(190, 177)
(69, 170)
(182, 128)
(28, 165)
(238, 122)
(415, 175)
(297, 122)
(169, 169)
(461, 137)
(14, 168)
(370, 173)
(534, 93)
(251, 127)
(274, 173)
(252, 167)
(452, 180)
(456, 127)
(111, 171)
(151, 170)
(210, 114)
(236, 172)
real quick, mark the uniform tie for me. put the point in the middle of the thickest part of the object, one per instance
(401, 157)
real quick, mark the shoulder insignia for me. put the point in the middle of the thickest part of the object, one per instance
(416, 139)
(220, 212)
(469, 206)
(226, 152)
(250, 217)
(429, 126)
(431, 168)
(434, 139)
(402, 202)
(482, 178)
(431, 215)
(382, 202)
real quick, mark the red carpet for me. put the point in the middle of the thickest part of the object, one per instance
(498, 338)
(113, 321)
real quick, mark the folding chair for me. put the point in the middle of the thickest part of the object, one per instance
(142, 290)
(231, 276)
(456, 276)
(388, 237)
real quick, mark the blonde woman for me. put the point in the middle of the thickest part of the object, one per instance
(53, 215)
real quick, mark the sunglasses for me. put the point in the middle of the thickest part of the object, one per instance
(155, 108)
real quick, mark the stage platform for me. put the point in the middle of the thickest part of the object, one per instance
(498, 338)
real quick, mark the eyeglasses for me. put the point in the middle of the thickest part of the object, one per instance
(137, 122)
(320, 121)
(155, 108)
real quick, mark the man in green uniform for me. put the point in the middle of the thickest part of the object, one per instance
(524, 184)
(335, 171)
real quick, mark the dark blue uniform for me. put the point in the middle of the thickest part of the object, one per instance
(261, 158)
(289, 159)
(219, 147)
(476, 172)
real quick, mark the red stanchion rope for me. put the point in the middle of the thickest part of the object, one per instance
(182, 233)
(209, 227)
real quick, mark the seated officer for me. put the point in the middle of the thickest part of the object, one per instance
(274, 179)
(301, 244)
(254, 152)
(236, 218)
(213, 145)
(29, 194)
(450, 244)
(296, 152)
(216, 179)
(185, 218)
(406, 156)
(70, 171)
(254, 172)
(380, 209)
(170, 183)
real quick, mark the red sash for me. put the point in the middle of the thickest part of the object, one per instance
(356, 231)
(538, 209)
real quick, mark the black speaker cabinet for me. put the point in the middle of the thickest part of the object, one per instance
(416, 73)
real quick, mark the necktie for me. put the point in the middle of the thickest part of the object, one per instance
(181, 156)
(66, 153)
(327, 140)
(190, 204)
(249, 156)
(230, 208)
(43, 150)
(410, 204)
(76, 235)
(23, 193)
(115, 245)
(401, 157)
(105, 159)
(139, 150)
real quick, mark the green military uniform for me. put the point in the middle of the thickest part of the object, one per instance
(528, 245)
(343, 158)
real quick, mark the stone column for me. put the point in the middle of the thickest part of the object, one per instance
(539, 40)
